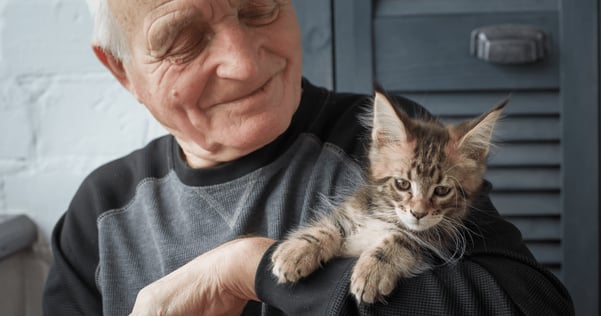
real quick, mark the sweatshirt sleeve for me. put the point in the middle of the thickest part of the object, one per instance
(497, 276)
(71, 287)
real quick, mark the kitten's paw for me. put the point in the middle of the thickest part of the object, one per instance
(295, 259)
(372, 280)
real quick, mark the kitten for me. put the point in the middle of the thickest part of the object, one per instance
(421, 179)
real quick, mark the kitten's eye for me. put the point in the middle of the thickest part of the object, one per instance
(402, 184)
(442, 191)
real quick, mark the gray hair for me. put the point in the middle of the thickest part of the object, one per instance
(107, 33)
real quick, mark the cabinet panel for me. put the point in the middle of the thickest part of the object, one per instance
(432, 53)
(315, 19)
(425, 7)
(527, 203)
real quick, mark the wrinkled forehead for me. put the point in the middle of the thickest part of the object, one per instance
(131, 14)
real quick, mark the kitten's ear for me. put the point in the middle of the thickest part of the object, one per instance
(388, 126)
(475, 135)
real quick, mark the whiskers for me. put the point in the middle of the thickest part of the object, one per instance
(457, 234)
(447, 240)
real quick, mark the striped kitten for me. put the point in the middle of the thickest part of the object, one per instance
(421, 179)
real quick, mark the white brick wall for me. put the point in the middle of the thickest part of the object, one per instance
(61, 112)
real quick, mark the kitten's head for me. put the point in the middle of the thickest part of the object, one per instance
(427, 172)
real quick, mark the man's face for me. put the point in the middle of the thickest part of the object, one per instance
(223, 76)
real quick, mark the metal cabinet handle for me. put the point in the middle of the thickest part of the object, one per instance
(508, 44)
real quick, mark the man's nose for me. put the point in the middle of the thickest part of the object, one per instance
(237, 52)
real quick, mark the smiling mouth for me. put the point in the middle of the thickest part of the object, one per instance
(252, 94)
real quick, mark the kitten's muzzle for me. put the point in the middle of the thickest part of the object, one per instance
(418, 214)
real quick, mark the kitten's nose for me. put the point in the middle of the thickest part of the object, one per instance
(418, 214)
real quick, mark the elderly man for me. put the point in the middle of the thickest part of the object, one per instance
(252, 147)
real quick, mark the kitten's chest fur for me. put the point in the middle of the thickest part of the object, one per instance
(368, 232)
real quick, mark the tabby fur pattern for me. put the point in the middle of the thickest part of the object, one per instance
(421, 180)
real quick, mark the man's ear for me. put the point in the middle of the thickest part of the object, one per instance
(113, 64)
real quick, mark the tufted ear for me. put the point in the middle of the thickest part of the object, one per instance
(474, 136)
(389, 126)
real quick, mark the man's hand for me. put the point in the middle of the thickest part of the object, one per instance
(219, 282)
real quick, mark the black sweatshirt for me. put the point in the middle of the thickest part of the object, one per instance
(140, 217)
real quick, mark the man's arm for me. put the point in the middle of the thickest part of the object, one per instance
(218, 282)
(464, 288)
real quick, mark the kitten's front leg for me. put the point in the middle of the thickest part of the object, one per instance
(378, 269)
(305, 250)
